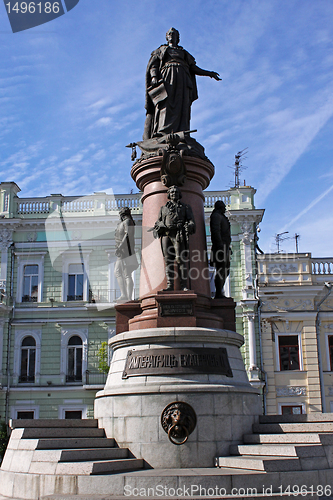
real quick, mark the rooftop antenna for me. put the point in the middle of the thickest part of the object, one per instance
(297, 236)
(238, 167)
(278, 239)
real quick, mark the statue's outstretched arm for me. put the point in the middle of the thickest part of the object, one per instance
(203, 72)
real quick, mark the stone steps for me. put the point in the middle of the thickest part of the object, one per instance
(99, 467)
(260, 463)
(286, 427)
(295, 442)
(65, 449)
(281, 438)
(279, 450)
(311, 417)
(81, 455)
(75, 443)
(53, 432)
(52, 422)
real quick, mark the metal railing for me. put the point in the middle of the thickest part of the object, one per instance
(95, 378)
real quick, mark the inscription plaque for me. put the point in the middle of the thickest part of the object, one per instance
(176, 309)
(177, 361)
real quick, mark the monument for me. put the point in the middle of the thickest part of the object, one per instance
(177, 394)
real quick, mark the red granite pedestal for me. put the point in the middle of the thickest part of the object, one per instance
(177, 308)
(157, 308)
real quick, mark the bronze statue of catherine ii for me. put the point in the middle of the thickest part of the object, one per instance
(171, 88)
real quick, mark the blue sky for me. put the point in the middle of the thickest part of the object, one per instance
(72, 97)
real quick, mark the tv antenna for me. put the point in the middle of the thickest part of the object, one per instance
(238, 167)
(297, 236)
(279, 238)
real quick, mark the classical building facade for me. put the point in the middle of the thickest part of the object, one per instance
(58, 293)
(296, 332)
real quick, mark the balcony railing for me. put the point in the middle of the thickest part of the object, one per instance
(322, 266)
(97, 295)
(95, 378)
(97, 203)
(211, 197)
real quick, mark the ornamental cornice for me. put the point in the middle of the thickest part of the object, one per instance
(6, 238)
(246, 221)
(251, 216)
(107, 221)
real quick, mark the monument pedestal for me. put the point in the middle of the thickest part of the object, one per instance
(154, 367)
(177, 394)
(176, 308)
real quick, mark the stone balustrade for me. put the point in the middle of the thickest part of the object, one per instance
(211, 197)
(323, 266)
(95, 204)
(300, 268)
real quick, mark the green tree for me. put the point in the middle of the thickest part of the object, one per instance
(103, 358)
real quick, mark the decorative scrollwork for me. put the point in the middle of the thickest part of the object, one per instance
(178, 420)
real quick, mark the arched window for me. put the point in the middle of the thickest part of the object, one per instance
(28, 360)
(74, 359)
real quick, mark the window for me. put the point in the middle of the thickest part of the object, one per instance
(73, 356)
(30, 415)
(289, 352)
(75, 281)
(25, 410)
(30, 283)
(73, 414)
(330, 349)
(30, 273)
(292, 410)
(74, 359)
(75, 272)
(28, 360)
(27, 348)
(73, 411)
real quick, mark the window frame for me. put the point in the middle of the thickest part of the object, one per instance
(75, 257)
(75, 348)
(72, 407)
(328, 358)
(66, 334)
(26, 406)
(295, 403)
(36, 334)
(277, 351)
(24, 259)
(28, 348)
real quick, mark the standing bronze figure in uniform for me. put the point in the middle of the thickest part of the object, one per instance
(174, 225)
(127, 261)
(221, 239)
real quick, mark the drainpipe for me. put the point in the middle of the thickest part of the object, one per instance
(9, 336)
(260, 304)
(320, 364)
(264, 389)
